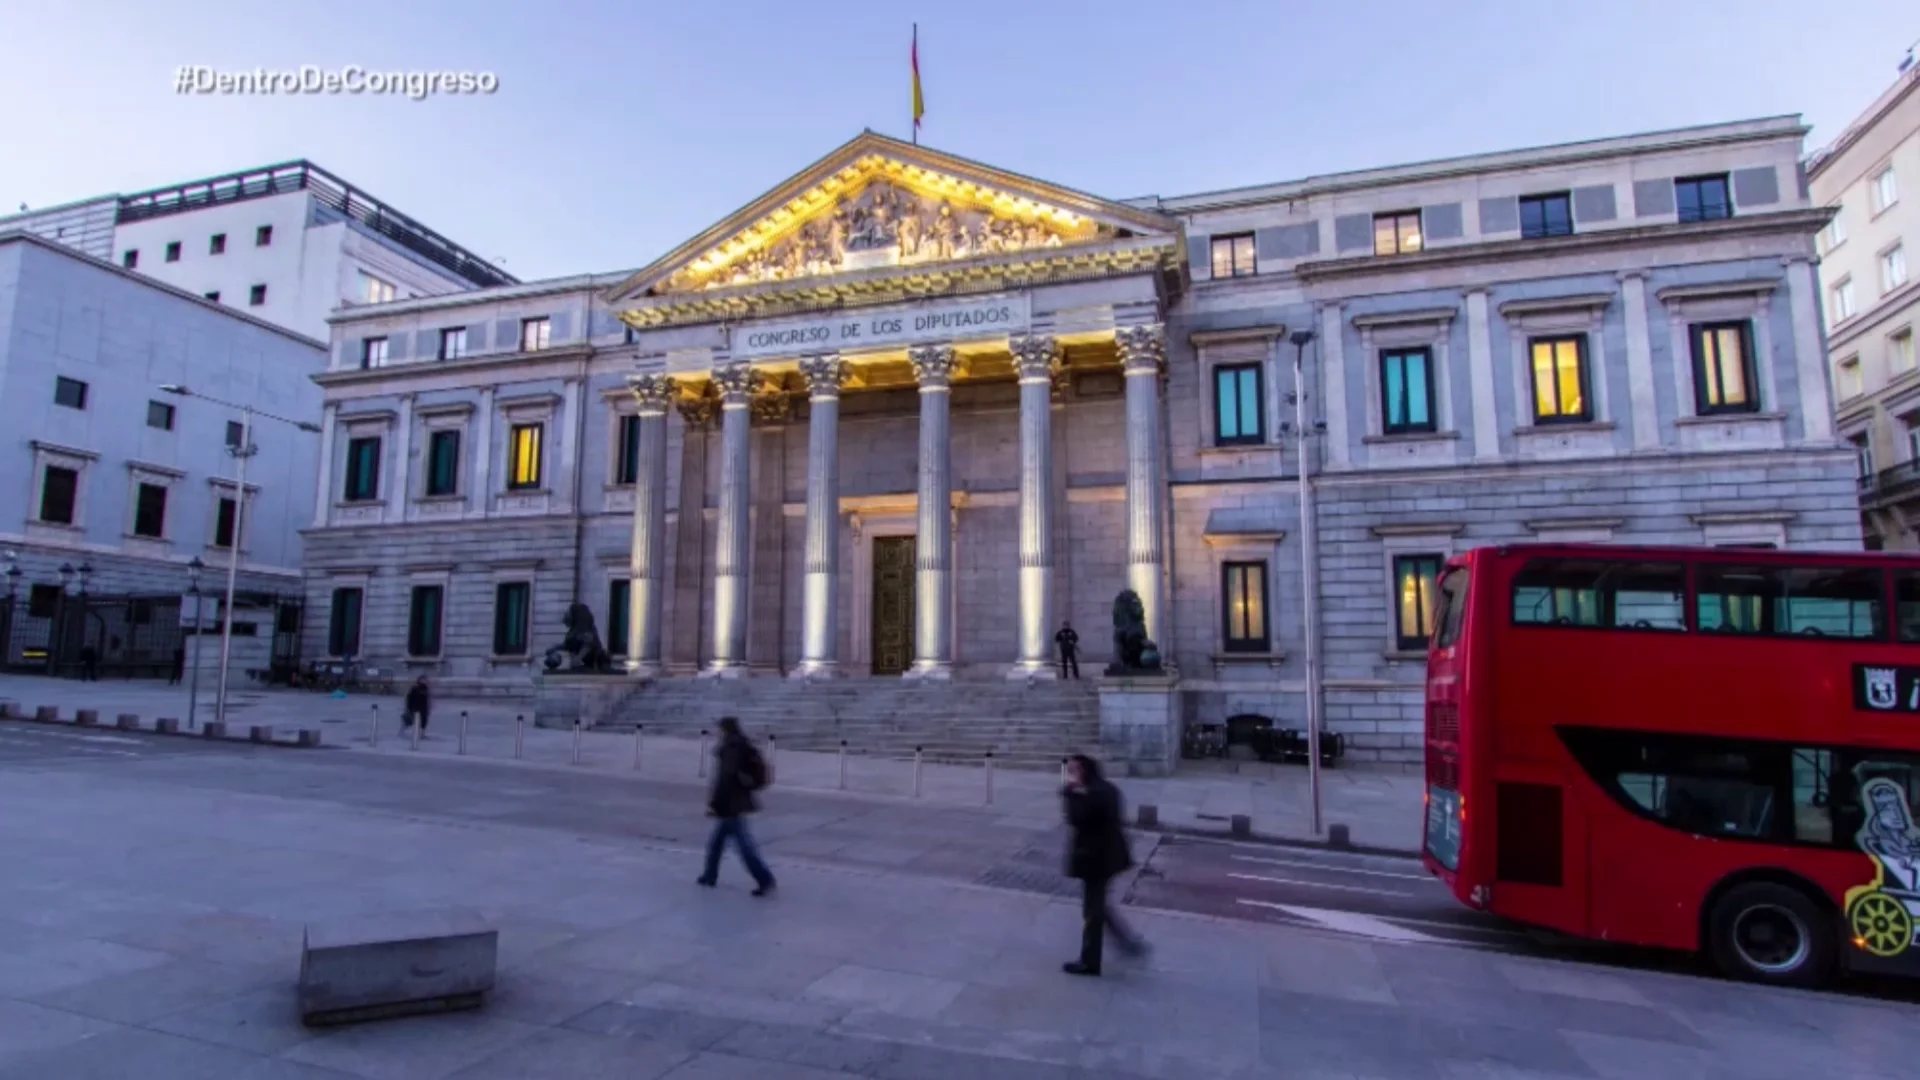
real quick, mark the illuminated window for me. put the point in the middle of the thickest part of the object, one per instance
(1233, 255)
(373, 290)
(363, 469)
(1560, 380)
(1397, 233)
(1723, 368)
(1406, 391)
(523, 457)
(1244, 600)
(511, 602)
(1415, 579)
(373, 353)
(1604, 594)
(1702, 198)
(1237, 405)
(1799, 601)
(1900, 351)
(1546, 215)
(535, 334)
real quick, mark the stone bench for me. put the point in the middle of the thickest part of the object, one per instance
(395, 964)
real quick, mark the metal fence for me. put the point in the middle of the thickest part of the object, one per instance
(131, 636)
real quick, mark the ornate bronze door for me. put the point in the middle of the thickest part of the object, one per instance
(892, 604)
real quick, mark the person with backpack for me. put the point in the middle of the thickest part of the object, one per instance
(739, 772)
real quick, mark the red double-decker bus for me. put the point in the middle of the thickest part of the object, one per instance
(1708, 749)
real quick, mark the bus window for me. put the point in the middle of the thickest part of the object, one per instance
(1597, 593)
(1453, 606)
(1906, 598)
(1788, 601)
(1709, 787)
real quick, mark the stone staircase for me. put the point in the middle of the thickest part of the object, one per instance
(1024, 726)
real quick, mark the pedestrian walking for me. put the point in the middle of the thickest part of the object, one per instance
(739, 771)
(1098, 853)
(1069, 642)
(419, 703)
(89, 663)
(179, 665)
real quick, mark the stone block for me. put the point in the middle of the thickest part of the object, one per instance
(395, 964)
(260, 733)
(87, 717)
(1147, 816)
(1240, 825)
(127, 721)
(9, 710)
(1140, 725)
(1339, 837)
(214, 729)
(307, 737)
(167, 725)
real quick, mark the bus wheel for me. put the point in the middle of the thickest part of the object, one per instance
(1766, 932)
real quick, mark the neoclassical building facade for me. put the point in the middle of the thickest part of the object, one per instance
(905, 414)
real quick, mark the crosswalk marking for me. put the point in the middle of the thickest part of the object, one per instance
(1348, 922)
(1329, 868)
(1319, 885)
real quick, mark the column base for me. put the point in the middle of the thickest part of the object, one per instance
(724, 670)
(1033, 671)
(816, 669)
(644, 669)
(929, 671)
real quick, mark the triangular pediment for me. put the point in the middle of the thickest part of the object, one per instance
(877, 203)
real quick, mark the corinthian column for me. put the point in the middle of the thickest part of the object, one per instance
(933, 546)
(646, 587)
(819, 632)
(1143, 351)
(1035, 358)
(735, 384)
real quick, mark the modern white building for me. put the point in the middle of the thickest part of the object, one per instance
(286, 243)
(1870, 270)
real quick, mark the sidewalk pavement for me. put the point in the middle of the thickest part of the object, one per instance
(150, 927)
(1381, 809)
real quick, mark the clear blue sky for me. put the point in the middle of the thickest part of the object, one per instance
(621, 128)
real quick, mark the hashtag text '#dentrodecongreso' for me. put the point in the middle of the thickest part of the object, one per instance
(352, 79)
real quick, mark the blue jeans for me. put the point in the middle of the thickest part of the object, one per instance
(736, 829)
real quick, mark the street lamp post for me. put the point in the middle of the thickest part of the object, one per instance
(242, 452)
(58, 649)
(193, 680)
(87, 670)
(1309, 571)
(13, 593)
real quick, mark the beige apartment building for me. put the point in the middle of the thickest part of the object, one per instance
(1873, 302)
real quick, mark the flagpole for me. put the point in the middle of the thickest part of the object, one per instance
(915, 121)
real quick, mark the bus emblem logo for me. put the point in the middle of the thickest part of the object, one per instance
(1882, 689)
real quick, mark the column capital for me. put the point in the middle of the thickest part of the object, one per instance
(932, 365)
(1035, 356)
(772, 407)
(735, 383)
(652, 393)
(698, 409)
(1143, 348)
(825, 376)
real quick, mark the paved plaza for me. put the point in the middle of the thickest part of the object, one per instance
(151, 915)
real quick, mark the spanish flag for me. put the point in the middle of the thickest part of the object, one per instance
(919, 105)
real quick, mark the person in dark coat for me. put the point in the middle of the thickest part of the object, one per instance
(1097, 855)
(179, 665)
(1068, 639)
(738, 772)
(89, 663)
(419, 702)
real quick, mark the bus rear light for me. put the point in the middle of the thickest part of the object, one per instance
(1463, 808)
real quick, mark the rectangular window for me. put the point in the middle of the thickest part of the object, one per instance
(1863, 455)
(1842, 295)
(256, 296)
(535, 333)
(627, 469)
(1601, 594)
(1906, 598)
(631, 336)
(363, 469)
(1847, 380)
(343, 624)
(59, 493)
(236, 434)
(1913, 438)
(453, 343)
(1835, 233)
(1886, 189)
(1546, 215)
(1723, 375)
(150, 511)
(373, 290)
(131, 259)
(1893, 269)
(1801, 601)
(173, 251)
(1453, 606)
(1397, 233)
(511, 600)
(1244, 600)
(1702, 198)
(1406, 391)
(1238, 416)
(443, 463)
(1415, 587)
(1560, 380)
(43, 601)
(618, 592)
(160, 415)
(423, 620)
(263, 236)
(373, 353)
(217, 245)
(71, 393)
(226, 516)
(523, 457)
(1233, 255)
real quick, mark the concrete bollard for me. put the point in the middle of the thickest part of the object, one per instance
(703, 753)
(843, 764)
(1240, 825)
(307, 737)
(214, 729)
(167, 725)
(1339, 837)
(1063, 769)
(260, 733)
(87, 718)
(578, 727)
(519, 735)
(462, 748)
(989, 778)
(1147, 816)
(637, 729)
(414, 731)
(47, 714)
(773, 747)
(127, 721)
(916, 772)
(373, 731)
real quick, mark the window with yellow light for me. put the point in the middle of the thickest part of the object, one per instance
(523, 456)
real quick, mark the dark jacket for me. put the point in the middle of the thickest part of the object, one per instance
(732, 794)
(1068, 640)
(1099, 845)
(418, 700)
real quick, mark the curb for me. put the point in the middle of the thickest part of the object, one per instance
(1267, 840)
(212, 731)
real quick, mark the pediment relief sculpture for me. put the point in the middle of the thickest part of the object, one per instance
(884, 223)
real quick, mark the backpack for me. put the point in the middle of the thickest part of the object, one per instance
(754, 771)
